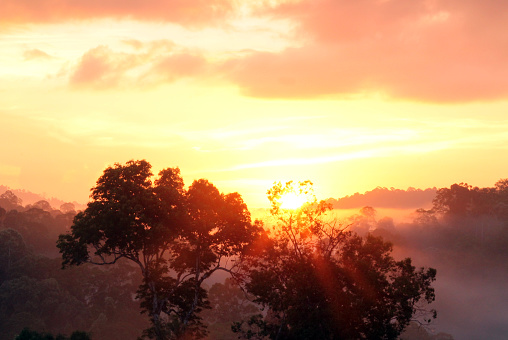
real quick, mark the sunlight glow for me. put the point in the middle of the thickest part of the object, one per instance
(292, 200)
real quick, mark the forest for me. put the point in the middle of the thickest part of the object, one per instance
(148, 258)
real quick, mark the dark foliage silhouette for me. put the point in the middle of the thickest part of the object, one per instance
(27, 334)
(178, 238)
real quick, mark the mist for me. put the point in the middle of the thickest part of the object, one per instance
(465, 242)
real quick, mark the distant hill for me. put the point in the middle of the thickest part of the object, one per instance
(387, 198)
(378, 198)
(30, 198)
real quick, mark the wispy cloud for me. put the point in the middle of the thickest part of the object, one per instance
(106, 131)
(36, 54)
(366, 153)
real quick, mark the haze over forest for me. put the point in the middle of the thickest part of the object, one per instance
(465, 241)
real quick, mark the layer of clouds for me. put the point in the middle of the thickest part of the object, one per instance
(424, 50)
(187, 12)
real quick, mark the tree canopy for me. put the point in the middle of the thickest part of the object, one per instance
(177, 237)
(465, 200)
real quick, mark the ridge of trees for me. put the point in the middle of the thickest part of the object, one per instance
(38, 223)
(28, 197)
(466, 200)
(382, 197)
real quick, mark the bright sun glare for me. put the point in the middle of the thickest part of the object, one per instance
(292, 200)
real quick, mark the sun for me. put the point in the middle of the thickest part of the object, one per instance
(292, 200)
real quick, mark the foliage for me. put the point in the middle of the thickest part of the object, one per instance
(465, 200)
(36, 293)
(228, 304)
(467, 225)
(40, 304)
(386, 198)
(177, 237)
(320, 281)
(12, 249)
(9, 201)
(27, 334)
(416, 331)
(39, 228)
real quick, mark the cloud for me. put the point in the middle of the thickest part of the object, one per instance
(101, 67)
(179, 65)
(35, 53)
(422, 50)
(385, 151)
(441, 51)
(152, 63)
(194, 13)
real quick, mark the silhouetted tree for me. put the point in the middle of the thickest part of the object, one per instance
(178, 239)
(320, 281)
(454, 200)
(463, 200)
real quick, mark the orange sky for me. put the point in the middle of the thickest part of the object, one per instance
(349, 94)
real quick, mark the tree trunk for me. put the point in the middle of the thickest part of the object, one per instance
(155, 314)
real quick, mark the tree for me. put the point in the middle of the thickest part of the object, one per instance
(462, 202)
(364, 222)
(43, 205)
(455, 200)
(177, 237)
(320, 281)
(12, 250)
(9, 201)
(423, 217)
(67, 208)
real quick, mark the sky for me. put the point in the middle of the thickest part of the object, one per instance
(348, 94)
